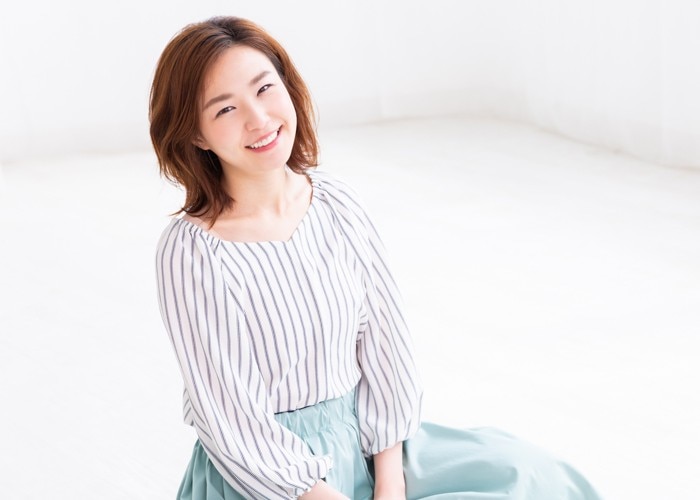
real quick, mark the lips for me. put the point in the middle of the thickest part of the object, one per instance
(265, 140)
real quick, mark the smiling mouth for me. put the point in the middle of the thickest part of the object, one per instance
(265, 140)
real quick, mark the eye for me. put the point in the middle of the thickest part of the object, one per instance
(225, 110)
(264, 88)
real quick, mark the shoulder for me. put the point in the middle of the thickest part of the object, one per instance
(338, 194)
(332, 185)
(175, 230)
(181, 234)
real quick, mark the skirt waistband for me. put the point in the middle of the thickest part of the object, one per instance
(322, 416)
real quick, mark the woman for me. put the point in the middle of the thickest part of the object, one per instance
(297, 363)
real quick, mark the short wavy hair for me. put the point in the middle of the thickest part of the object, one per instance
(177, 87)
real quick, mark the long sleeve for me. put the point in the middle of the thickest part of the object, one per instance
(231, 410)
(389, 393)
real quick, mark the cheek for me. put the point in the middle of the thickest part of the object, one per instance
(225, 129)
(292, 120)
(285, 103)
(208, 132)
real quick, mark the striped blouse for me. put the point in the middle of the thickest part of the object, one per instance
(266, 327)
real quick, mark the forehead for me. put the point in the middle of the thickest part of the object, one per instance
(236, 67)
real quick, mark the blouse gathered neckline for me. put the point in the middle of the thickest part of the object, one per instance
(199, 223)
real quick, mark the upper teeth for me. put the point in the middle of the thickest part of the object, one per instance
(264, 142)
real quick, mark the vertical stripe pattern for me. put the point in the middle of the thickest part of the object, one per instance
(266, 327)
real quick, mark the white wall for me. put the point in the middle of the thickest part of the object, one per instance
(74, 76)
(620, 73)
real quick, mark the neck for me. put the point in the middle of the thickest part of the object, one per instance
(267, 192)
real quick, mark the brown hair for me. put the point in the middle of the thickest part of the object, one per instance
(174, 109)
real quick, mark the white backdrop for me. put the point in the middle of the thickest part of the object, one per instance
(567, 275)
(74, 75)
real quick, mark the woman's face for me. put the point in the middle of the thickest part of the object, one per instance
(246, 115)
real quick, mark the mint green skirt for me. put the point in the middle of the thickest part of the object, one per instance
(440, 463)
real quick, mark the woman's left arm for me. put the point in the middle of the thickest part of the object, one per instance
(389, 393)
(389, 482)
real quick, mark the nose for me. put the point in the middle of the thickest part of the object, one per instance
(256, 117)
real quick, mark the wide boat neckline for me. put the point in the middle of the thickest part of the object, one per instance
(199, 224)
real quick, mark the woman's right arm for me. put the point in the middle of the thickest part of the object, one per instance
(232, 414)
(322, 491)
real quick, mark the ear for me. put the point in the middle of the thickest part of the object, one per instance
(200, 143)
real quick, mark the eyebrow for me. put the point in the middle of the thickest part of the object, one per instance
(223, 97)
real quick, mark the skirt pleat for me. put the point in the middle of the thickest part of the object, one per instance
(440, 463)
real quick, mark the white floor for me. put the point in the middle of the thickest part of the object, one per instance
(553, 289)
